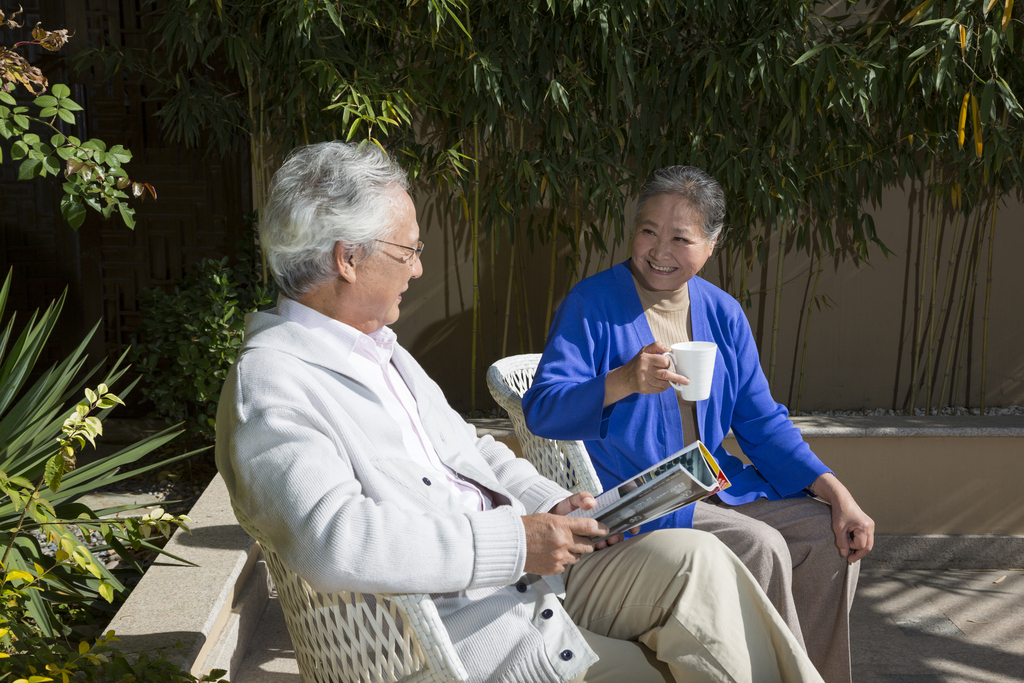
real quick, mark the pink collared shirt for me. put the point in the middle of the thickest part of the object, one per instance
(370, 357)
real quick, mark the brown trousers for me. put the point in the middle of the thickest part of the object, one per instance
(677, 605)
(789, 547)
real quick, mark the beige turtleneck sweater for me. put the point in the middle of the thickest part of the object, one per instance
(668, 314)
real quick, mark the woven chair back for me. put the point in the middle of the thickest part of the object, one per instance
(564, 462)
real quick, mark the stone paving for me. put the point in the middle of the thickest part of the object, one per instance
(907, 626)
(938, 626)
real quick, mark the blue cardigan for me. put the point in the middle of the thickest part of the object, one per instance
(601, 326)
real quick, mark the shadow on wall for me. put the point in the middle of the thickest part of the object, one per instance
(444, 348)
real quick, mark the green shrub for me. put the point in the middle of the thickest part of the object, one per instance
(42, 430)
(190, 336)
(40, 660)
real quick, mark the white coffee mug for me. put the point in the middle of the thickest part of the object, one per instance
(694, 360)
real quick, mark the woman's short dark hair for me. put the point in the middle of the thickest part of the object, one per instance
(697, 188)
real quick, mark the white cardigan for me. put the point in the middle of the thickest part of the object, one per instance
(313, 460)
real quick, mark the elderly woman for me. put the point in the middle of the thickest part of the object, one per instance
(602, 379)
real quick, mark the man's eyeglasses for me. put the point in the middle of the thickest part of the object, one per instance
(416, 251)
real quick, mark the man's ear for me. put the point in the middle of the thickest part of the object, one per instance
(345, 262)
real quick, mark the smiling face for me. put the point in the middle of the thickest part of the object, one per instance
(381, 278)
(668, 245)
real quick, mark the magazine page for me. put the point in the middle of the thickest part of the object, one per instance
(683, 478)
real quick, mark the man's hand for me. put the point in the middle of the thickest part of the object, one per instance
(554, 542)
(647, 373)
(584, 500)
(854, 530)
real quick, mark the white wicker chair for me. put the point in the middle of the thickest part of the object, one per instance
(349, 637)
(564, 462)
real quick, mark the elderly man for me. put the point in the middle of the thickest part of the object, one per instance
(335, 444)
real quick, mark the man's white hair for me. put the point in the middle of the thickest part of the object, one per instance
(324, 194)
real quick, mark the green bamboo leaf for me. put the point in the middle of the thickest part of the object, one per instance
(807, 55)
(988, 108)
(923, 50)
(1009, 99)
(943, 67)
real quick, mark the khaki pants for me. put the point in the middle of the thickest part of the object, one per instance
(790, 548)
(677, 605)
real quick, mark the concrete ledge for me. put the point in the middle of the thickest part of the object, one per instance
(498, 427)
(936, 551)
(233, 640)
(194, 605)
(814, 426)
(817, 426)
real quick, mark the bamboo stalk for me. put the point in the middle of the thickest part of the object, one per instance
(777, 305)
(519, 318)
(903, 319)
(476, 270)
(807, 327)
(508, 297)
(521, 282)
(748, 267)
(940, 230)
(551, 273)
(968, 341)
(988, 301)
(576, 233)
(972, 311)
(800, 322)
(494, 291)
(919, 305)
(762, 298)
(951, 276)
(966, 303)
(722, 257)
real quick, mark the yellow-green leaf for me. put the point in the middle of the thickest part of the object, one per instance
(962, 128)
(107, 592)
(83, 647)
(1007, 13)
(19, 574)
(914, 12)
(977, 127)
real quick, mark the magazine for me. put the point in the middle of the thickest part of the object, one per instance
(678, 480)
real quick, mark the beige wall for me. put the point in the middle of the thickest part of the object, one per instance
(852, 344)
(930, 485)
